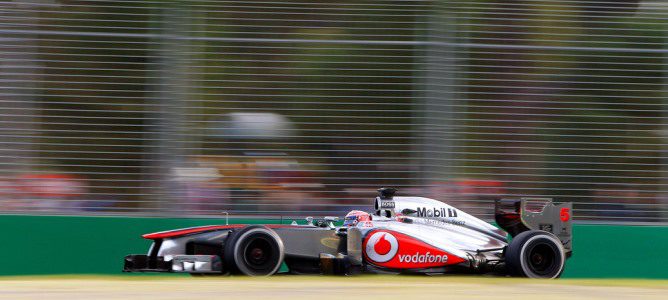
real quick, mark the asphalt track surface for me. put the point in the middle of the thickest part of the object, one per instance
(323, 287)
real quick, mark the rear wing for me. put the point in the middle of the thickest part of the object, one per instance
(518, 215)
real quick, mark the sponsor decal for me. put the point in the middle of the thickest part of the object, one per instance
(438, 222)
(422, 258)
(381, 246)
(365, 224)
(387, 204)
(395, 250)
(442, 212)
(545, 227)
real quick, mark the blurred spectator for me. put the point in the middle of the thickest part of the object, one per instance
(621, 203)
(42, 192)
(50, 192)
(203, 193)
(9, 195)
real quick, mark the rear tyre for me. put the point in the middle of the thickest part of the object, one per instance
(254, 251)
(535, 254)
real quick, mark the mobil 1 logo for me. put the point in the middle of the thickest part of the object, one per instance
(442, 212)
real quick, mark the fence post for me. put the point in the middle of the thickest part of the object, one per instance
(168, 97)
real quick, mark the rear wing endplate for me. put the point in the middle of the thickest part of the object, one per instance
(518, 215)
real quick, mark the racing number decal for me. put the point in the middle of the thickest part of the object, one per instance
(564, 214)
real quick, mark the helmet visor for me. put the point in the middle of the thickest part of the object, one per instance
(350, 221)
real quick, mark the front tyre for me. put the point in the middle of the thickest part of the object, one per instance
(535, 254)
(254, 251)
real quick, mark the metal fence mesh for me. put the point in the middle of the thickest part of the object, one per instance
(300, 107)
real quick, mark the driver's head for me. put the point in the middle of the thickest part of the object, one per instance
(356, 216)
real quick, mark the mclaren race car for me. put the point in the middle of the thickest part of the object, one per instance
(403, 235)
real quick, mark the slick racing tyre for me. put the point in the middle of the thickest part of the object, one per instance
(254, 251)
(535, 254)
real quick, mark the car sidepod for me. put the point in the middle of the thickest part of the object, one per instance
(394, 250)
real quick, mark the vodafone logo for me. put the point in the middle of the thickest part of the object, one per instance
(423, 258)
(382, 247)
(396, 250)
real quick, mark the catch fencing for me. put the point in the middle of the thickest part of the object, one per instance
(191, 108)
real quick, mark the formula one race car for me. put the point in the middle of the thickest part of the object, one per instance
(403, 235)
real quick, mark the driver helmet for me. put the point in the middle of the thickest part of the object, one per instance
(356, 216)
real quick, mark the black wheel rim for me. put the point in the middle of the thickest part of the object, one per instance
(260, 254)
(543, 259)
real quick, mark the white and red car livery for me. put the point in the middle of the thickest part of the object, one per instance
(394, 250)
(404, 235)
